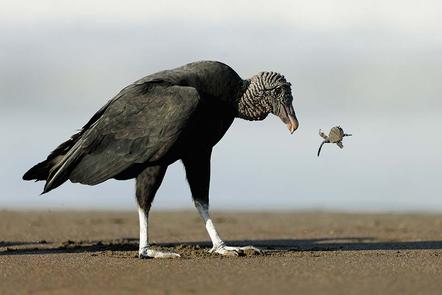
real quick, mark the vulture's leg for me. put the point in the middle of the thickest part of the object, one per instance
(147, 184)
(198, 176)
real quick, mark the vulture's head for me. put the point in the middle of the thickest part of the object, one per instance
(268, 92)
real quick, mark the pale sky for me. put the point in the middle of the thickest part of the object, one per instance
(402, 15)
(373, 66)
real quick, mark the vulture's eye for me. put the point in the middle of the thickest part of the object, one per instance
(278, 91)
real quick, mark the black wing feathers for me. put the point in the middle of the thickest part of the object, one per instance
(138, 127)
(42, 170)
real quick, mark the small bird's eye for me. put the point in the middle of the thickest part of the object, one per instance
(278, 91)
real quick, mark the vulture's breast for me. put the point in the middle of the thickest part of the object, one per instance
(210, 124)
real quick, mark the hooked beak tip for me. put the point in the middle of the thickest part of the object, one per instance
(290, 119)
(292, 126)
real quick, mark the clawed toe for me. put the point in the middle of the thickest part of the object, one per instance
(252, 249)
(234, 251)
(149, 253)
(226, 251)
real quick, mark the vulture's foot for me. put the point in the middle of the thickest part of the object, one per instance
(147, 253)
(234, 251)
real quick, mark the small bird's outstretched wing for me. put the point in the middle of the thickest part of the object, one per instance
(139, 126)
(336, 134)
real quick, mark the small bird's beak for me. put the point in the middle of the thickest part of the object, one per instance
(292, 123)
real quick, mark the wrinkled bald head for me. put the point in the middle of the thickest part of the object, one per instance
(268, 92)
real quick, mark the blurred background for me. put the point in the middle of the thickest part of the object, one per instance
(374, 67)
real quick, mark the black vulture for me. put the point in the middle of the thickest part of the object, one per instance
(177, 114)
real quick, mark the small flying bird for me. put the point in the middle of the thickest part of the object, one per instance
(173, 115)
(336, 135)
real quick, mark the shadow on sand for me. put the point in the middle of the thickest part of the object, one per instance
(281, 245)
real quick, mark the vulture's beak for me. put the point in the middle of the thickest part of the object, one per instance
(289, 118)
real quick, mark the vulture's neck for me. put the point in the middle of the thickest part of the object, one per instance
(251, 105)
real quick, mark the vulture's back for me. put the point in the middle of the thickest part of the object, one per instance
(213, 78)
(139, 125)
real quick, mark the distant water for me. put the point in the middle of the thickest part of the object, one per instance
(392, 163)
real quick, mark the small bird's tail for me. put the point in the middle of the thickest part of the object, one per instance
(320, 147)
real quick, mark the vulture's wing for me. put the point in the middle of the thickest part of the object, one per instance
(139, 126)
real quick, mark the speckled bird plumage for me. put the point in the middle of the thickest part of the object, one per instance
(336, 135)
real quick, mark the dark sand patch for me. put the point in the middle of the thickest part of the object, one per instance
(96, 252)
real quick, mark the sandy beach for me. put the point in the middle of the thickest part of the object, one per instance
(53, 252)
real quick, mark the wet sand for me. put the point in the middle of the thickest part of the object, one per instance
(304, 253)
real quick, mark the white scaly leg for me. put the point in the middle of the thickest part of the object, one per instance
(218, 245)
(144, 250)
(144, 236)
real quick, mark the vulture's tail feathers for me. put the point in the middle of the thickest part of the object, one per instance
(39, 171)
(53, 168)
(59, 173)
(57, 167)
